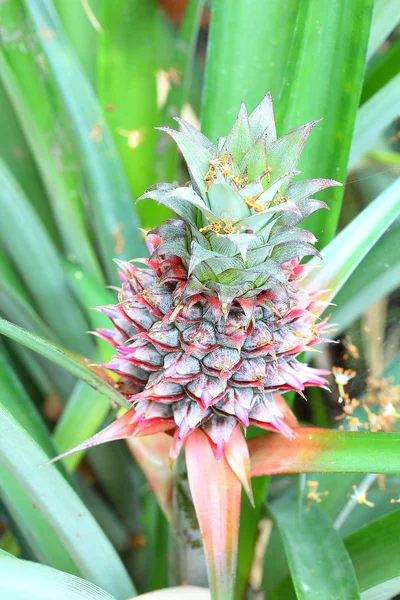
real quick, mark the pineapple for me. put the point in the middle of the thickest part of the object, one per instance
(208, 329)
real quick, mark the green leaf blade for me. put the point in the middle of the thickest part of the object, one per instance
(83, 416)
(373, 117)
(346, 251)
(327, 87)
(111, 204)
(16, 307)
(82, 33)
(381, 71)
(20, 577)
(385, 18)
(248, 532)
(252, 65)
(317, 450)
(16, 400)
(63, 510)
(372, 549)
(37, 534)
(31, 89)
(60, 356)
(39, 264)
(129, 87)
(23, 167)
(377, 275)
(319, 563)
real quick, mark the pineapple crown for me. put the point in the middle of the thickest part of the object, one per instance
(241, 208)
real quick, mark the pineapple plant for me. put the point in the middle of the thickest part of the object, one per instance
(207, 331)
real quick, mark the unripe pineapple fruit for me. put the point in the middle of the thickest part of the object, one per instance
(207, 330)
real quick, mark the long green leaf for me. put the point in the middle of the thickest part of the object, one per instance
(381, 71)
(85, 412)
(386, 17)
(40, 541)
(325, 451)
(13, 296)
(183, 62)
(121, 479)
(61, 357)
(105, 515)
(39, 264)
(160, 571)
(248, 532)
(346, 251)
(319, 563)
(10, 281)
(21, 579)
(59, 505)
(373, 550)
(37, 534)
(323, 80)
(33, 369)
(167, 52)
(125, 488)
(16, 400)
(91, 294)
(110, 200)
(377, 275)
(15, 306)
(129, 87)
(247, 53)
(373, 117)
(18, 305)
(21, 313)
(383, 591)
(275, 567)
(184, 58)
(31, 88)
(16, 154)
(83, 32)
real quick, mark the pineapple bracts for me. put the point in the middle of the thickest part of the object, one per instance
(208, 331)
